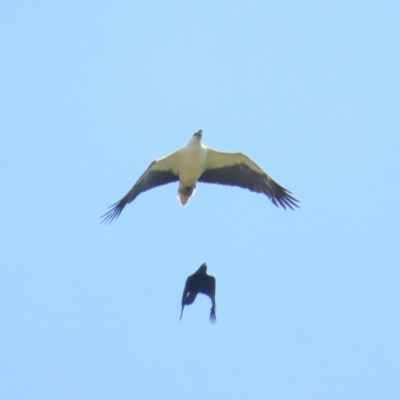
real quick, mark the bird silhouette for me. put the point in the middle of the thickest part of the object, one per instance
(197, 283)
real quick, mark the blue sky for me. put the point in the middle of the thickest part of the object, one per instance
(307, 301)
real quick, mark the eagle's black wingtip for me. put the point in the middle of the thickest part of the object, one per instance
(112, 214)
(286, 200)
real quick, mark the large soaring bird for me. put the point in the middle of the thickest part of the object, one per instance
(197, 283)
(198, 163)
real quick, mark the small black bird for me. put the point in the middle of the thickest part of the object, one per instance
(197, 283)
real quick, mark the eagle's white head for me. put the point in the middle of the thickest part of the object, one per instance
(198, 134)
(196, 138)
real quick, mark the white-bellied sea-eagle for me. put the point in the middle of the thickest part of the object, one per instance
(198, 163)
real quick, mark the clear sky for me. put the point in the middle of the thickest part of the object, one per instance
(308, 301)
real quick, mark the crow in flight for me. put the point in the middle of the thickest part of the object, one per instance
(197, 283)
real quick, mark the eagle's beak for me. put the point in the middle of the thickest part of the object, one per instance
(199, 134)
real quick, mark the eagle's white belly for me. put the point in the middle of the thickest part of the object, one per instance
(191, 164)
